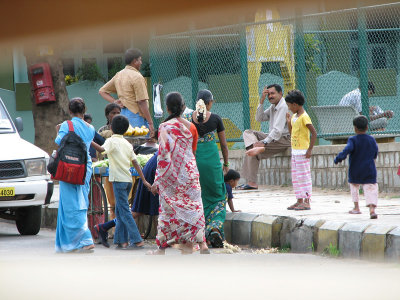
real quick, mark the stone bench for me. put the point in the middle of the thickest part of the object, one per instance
(335, 123)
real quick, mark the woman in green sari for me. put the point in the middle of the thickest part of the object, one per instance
(213, 191)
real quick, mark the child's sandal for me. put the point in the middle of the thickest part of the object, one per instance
(302, 206)
(292, 207)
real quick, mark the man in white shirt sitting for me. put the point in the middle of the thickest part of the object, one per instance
(277, 140)
(378, 117)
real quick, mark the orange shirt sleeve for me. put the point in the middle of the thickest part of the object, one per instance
(195, 135)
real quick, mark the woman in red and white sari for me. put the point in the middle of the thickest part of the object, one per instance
(181, 215)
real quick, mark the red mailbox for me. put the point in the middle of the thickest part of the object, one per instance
(42, 83)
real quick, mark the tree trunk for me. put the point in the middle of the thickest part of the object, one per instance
(47, 116)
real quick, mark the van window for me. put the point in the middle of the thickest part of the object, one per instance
(5, 122)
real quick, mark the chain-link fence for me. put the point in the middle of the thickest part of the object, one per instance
(345, 62)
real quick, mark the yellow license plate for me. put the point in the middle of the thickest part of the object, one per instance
(6, 192)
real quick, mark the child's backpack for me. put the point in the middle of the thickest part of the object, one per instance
(69, 163)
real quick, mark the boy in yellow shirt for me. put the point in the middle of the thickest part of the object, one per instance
(120, 155)
(300, 127)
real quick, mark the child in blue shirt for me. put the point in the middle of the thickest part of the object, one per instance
(363, 151)
(231, 179)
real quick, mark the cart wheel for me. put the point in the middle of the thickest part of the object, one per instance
(98, 208)
(101, 206)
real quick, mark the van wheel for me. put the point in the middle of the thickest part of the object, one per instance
(29, 220)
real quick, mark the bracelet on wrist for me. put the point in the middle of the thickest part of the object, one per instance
(226, 164)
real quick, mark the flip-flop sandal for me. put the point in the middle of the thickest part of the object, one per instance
(239, 186)
(84, 250)
(292, 207)
(302, 206)
(355, 212)
(155, 252)
(248, 187)
(216, 240)
(133, 247)
(374, 216)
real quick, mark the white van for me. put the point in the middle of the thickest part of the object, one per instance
(25, 184)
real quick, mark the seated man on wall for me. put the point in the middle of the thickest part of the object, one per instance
(378, 117)
(277, 140)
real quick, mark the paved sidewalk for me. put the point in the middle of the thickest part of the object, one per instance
(326, 204)
(265, 222)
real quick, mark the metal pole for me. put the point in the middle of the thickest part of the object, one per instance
(362, 46)
(244, 78)
(154, 79)
(301, 76)
(193, 69)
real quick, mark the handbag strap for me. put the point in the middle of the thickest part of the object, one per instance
(70, 126)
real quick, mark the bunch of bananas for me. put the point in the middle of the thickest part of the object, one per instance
(136, 131)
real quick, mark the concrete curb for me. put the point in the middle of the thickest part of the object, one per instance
(353, 240)
(350, 237)
(328, 235)
(302, 235)
(373, 242)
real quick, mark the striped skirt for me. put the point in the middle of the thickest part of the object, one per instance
(301, 176)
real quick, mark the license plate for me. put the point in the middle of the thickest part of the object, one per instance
(6, 192)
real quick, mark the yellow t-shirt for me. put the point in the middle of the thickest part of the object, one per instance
(120, 154)
(300, 136)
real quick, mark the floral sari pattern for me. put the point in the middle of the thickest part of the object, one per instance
(181, 216)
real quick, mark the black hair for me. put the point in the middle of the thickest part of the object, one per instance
(295, 96)
(77, 105)
(87, 117)
(175, 105)
(277, 87)
(109, 108)
(155, 135)
(361, 123)
(131, 54)
(371, 87)
(231, 175)
(119, 124)
(207, 97)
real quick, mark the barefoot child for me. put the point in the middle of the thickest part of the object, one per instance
(300, 127)
(363, 151)
(231, 180)
(120, 154)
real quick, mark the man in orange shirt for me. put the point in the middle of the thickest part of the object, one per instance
(131, 88)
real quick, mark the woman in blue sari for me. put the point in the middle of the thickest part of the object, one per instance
(72, 233)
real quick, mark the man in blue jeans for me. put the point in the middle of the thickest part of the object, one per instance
(131, 88)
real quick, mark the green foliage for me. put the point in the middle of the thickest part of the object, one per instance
(70, 79)
(312, 248)
(145, 69)
(91, 72)
(285, 249)
(311, 49)
(117, 66)
(331, 251)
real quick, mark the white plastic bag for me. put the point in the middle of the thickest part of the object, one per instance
(158, 112)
